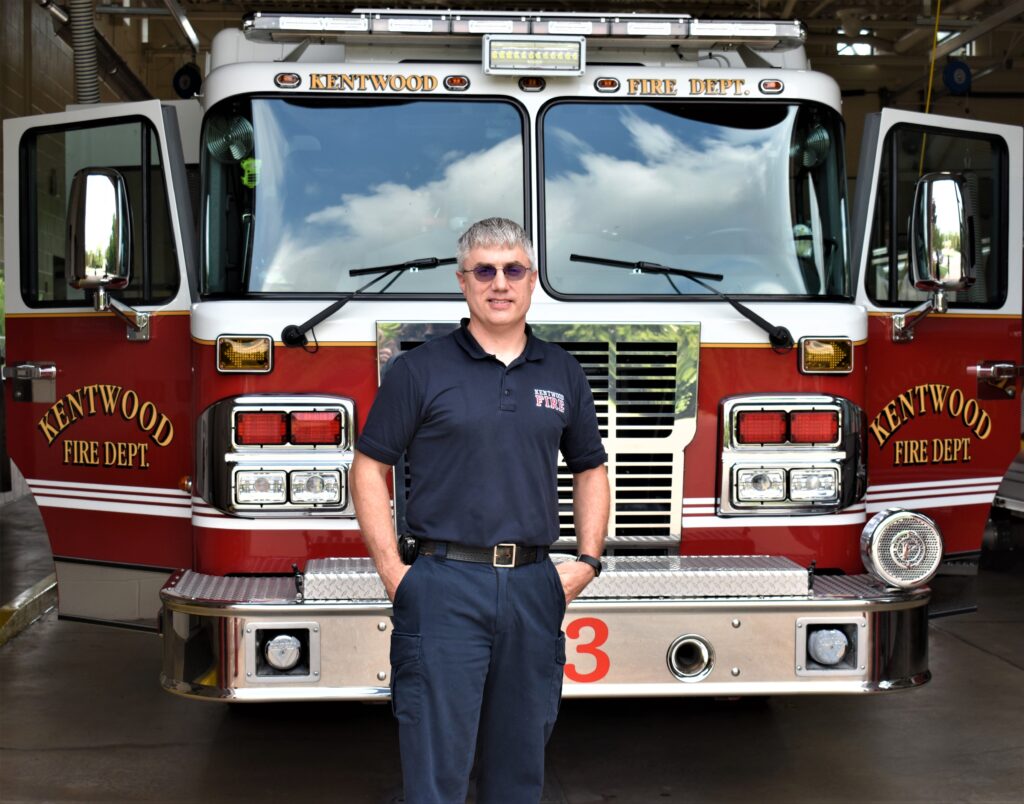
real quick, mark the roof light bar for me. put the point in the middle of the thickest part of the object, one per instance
(759, 34)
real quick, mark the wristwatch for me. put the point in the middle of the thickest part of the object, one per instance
(592, 562)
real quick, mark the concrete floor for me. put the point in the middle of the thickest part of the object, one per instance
(82, 718)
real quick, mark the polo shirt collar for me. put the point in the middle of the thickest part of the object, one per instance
(463, 337)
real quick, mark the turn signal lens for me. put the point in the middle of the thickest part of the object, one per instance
(244, 354)
(761, 427)
(316, 427)
(814, 427)
(261, 428)
(607, 85)
(826, 355)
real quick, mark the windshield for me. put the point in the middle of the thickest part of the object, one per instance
(297, 193)
(753, 191)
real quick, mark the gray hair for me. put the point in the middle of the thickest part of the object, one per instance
(492, 232)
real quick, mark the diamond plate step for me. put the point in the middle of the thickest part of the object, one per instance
(633, 577)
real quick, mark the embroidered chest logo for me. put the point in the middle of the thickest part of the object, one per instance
(549, 399)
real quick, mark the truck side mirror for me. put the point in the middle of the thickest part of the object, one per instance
(99, 230)
(942, 248)
(99, 243)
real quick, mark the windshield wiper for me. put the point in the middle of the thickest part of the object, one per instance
(294, 335)
(778, 337)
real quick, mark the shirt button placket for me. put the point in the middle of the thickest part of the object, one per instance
(508, 396)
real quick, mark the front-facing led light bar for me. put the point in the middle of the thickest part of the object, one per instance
(258, 487)
(245, 354)
(534, 55)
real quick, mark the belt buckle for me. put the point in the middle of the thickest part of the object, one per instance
(502, 552)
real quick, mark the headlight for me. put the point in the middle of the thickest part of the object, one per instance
(315, 487)
(755, 485)
(260, 488)
(814, 484)
(901, 548)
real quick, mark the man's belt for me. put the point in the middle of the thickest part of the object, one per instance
(501, 555)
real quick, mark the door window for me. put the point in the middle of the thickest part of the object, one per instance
(909, 153)
(50, 160)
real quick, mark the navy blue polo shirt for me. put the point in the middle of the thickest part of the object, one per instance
(482, 438)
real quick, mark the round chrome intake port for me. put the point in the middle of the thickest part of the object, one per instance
(690, 658)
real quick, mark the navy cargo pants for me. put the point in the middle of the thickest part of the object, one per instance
(477, 657)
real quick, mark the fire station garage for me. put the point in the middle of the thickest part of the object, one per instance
(782, 239)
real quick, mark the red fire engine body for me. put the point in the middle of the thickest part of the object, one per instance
(808, 401)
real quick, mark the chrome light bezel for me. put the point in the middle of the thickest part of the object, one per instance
(882, 537)
(219, 457)
(844, 455)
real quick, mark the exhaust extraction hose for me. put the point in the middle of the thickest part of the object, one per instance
(83, 40)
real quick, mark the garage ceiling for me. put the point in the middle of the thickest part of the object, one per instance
(862, 43)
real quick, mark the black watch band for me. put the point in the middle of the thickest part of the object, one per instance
(590, 561)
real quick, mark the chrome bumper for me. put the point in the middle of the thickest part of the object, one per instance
(617, 645)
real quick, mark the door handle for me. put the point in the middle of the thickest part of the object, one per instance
(997, 371)
(30, 371)
(31, 381)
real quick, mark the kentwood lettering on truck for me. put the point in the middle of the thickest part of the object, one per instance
(372, 82)
(108, 400)
(768, 402)
(928, 400)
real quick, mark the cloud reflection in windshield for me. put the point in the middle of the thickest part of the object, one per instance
(684, 194)
(389, 223)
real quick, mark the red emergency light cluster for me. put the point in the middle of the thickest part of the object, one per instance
(276, 428)
(793, 427)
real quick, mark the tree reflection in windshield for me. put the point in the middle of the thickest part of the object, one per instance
(731, 189)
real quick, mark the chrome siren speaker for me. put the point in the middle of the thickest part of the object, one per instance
(901, 548)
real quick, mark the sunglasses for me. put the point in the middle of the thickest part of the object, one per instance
(486, 273)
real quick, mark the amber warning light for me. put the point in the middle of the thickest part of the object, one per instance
(826, 355)
(244, 354)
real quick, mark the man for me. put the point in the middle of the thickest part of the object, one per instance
(477, 652)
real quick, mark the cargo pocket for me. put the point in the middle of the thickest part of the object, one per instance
(556, 686)
(406, 677)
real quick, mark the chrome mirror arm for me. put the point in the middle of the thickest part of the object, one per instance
(903, 323)
(137, 321)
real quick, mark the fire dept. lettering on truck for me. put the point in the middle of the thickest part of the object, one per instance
(930, 399)
(106, 400)
(698, 86)
(372, 82)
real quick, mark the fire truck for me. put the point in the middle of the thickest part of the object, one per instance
(808, 397)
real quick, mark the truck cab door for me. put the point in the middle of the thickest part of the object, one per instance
(943, 390)
(98, 410)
